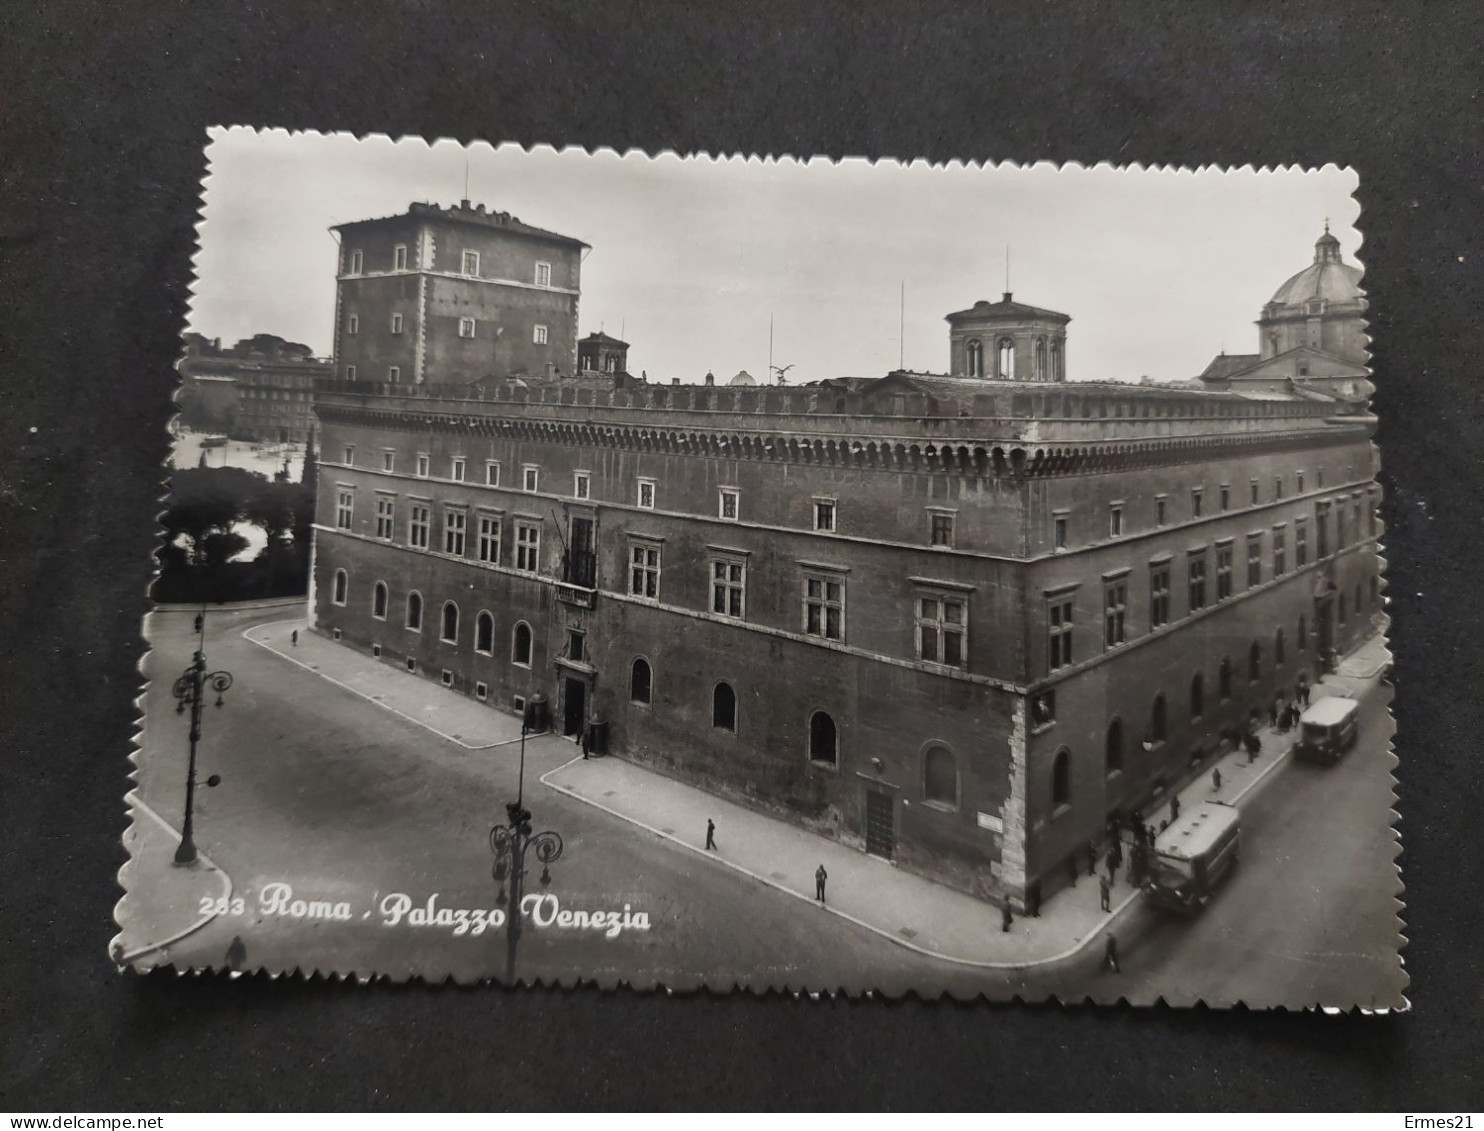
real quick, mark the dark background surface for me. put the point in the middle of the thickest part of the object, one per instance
(102, 118)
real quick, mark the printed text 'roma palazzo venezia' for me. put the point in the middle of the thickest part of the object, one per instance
(954, 620)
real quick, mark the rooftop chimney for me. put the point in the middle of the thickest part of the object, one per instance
(710, 378)
(1007, 296)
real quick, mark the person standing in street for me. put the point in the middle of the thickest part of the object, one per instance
(1104, 893)
(1216, 779)
(587, 742)
(1110, 955)
(1005, 918)
(710, 835)
(1174, 808)
(1252, 743)
(820, 876)
(294, 638)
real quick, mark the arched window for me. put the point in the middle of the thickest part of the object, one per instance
(640, 681)
(1113, 748)
(974, 357)
(1303, 634)
(1197, 696)
(1056, 361)
(1040, 359)
(484, 633)
(1061, 779)
(1224, 680)
(724, 707)
(415, 611)
(450, 623)
(520, 647)
(1254, 662)
(342, 586)
(1278, 647)
(940, 776)
(379, 601)
(1159, 723)
(824, 739)
(1005, 359)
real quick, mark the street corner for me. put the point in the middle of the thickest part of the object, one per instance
(163, 902)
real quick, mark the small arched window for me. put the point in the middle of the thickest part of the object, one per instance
(1005, 359)
(724, 707)
(379, 601)
(974, 357)
(940, 776)
(1040, 359)
(1303, 634)
(1254, 662)
(640, 681)
(450, 633)
(1061, 779)
(520, 647)
(1113, 748)
(1278, 647)
(824, 739)
(1225, 678)
(484, 633)
(1159, 723)
(415, 611)
(342, 586)
(1056, 362)
(1197, 696)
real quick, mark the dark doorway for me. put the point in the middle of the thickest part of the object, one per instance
(881, 833)
(574, 708)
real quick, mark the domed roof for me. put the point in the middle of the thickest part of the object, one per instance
(743, 378)
(1329, 278)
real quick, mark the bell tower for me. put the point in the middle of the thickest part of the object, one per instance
(1008, 341)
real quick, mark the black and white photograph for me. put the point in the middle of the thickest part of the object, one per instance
(625, 569)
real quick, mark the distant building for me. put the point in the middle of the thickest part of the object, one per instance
(261, 389)
(602, 353)
(743, 379)
(1008, 341)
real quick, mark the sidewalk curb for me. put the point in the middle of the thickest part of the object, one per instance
(124, 959)
(229, 606)
(247, 634)
(1113, 916)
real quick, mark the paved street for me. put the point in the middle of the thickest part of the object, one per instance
(345, 800)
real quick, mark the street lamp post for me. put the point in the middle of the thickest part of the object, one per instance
(189, 691)
(510, 843)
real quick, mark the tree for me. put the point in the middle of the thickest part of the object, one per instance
(221, 546)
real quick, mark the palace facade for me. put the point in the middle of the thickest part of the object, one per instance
(954, 621)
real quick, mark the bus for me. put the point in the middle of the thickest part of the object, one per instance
(1192, 856)
(1326, 730)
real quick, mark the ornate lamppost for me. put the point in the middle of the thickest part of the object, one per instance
(190, 690)
(510, 843)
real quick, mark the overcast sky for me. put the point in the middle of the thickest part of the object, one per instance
(691, 257)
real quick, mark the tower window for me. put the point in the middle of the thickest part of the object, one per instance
(1005, 359)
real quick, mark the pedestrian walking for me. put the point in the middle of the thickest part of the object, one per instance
(1253, 744)
(1112, 869)
(1115, 853)
(1303, 690)
(1005, 918)
(1104, 893)
(1092, 858)
(294, 638)
(1110, 955)
(587, 742)
(820, 875)
(1136, 864)
(1174, 808)
(1216, 779)
(710, 835)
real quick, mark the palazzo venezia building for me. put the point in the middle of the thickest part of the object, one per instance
(952, 620)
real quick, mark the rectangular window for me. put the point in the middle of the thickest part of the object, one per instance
(422, 465)
(456, 469)
(466, 327)
(543, 274)
(345, 503)
(1159, 510)
(527, 546)
(393, 374)
(399, 257)
(941, 532)
(1224, 499)
(729, 587)
(1280, 551)
(644, 570)
(1321, 526)
(389, 459)
(728, 502)
(356, 261)
(1159, 595)
(455, 523)
(1300, 480)
(1277, 487)
(530, 477)
(1340, 530)
(1196, 568)
(1319, 478)
(491, 473)
(1115, 605)
(1300, 542)
(353, 324)
(1059, 532)
(824, 607)
(1059, 633)
(1115, 522)
(824, 514)
(582, 484)
(417, 526)
(1223, 571)
(538, 334)
(1195, 503)
(576, 645)
(1256, 493)
(942, 630)
(386, 515)
(350, 372)
(1254, 560)
(396, 323)
(646, 494)
(350, 455)
(469, 265)
(489, 538)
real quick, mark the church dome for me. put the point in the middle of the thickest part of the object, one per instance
(1328, 278)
